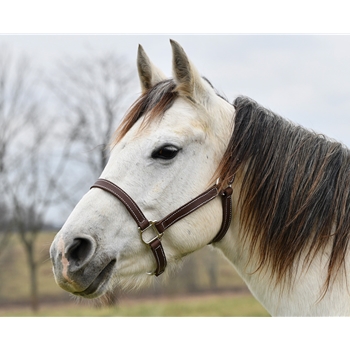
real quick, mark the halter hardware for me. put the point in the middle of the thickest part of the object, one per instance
(152, 224)
(160, 226)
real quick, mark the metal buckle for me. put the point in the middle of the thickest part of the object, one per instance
(158, 235)
(229, 183)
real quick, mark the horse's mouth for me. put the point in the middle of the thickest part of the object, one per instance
(104, 275)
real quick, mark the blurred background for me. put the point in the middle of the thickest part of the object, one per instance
(62, 97)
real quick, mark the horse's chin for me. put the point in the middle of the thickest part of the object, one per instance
(107, 287)
(111, 283)
(100, 284)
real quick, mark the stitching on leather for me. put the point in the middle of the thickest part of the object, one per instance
(123, 200)
(159, 265)
(165, 226)
(227, 220)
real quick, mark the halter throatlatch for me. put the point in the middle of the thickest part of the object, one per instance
(158, 227)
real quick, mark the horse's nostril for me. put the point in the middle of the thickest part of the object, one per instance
(79, 251)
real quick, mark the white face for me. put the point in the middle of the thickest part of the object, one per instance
(161, 167)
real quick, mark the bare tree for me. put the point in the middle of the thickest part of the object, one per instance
(29, 196)
(16, 109)
(33, 156)
(93, 91)
(5, 225)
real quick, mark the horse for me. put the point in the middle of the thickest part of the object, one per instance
(272, 196)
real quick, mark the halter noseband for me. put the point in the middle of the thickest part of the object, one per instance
(160, 226)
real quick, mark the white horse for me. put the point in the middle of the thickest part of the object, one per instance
(289, 233)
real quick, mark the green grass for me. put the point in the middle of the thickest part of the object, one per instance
(203, 306)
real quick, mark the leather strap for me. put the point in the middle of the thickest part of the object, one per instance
(142, 222)
(226, 214)
(187, 209)
(129, 203)
(159, 255)
(160, 226)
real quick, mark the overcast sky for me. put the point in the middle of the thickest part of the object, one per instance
(304, 78)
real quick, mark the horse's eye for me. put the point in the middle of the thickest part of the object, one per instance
(165, 152)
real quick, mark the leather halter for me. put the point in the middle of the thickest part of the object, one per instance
(160, 226)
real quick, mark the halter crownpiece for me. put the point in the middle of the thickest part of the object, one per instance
(160, 226)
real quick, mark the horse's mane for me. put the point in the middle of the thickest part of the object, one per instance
(295, 190)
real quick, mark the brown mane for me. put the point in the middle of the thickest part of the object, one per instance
(295, 190)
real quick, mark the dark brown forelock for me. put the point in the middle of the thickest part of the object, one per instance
(295, 190)
(152, 104)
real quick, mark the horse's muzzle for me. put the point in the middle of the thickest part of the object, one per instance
(76, 268)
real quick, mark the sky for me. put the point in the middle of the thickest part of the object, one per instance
(304, 78)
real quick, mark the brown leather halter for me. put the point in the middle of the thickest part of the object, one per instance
(160, 226)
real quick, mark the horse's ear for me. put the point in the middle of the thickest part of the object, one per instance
(189, 82)
(149, 74)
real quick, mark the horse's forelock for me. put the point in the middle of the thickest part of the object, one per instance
(152, 104)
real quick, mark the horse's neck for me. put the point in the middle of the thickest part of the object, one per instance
(304, 296)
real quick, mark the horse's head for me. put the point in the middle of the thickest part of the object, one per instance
(165, 153)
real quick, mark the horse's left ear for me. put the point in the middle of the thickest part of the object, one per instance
(189, 82)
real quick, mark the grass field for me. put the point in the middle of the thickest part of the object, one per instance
(200, 306)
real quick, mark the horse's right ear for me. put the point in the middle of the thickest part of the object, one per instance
(149, 74)
(189, 83)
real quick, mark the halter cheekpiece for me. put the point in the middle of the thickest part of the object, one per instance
(158, 227)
